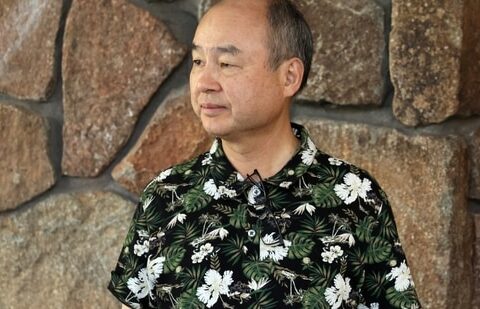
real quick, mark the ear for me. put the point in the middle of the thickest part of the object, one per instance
(293, 74)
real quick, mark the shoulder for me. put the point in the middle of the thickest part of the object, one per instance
(348, 181)
(178, 175)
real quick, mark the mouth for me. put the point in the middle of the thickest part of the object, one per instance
(211, 106)
(212, 110)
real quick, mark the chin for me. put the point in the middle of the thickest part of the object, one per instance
(215, 128)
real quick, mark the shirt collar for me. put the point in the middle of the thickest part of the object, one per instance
(295, 168)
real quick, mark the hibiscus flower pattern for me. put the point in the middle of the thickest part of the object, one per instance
(318, 234)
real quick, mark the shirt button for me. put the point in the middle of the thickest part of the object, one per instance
(291, 172)
(251, 233)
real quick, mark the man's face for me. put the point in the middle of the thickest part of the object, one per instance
(233, 89)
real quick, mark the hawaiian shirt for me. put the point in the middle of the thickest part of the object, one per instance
(318, 234)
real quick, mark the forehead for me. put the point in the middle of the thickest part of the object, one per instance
(239, 23)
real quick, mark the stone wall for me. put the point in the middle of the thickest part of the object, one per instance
(94, 103)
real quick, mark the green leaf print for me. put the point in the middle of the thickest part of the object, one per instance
(215, 262)
(329, 174)
(313, 225)
(173, 257)
(224, 209)
(322, 275)
(324, 196)
(263, 300)
(314, 297)
(183, 168)
(379, 250)
(388, 230)
(195, 199)
(278, 199)
(403, 299)
(185, 233)
(152, 218)
(301, 246)
(191, 277)
(189, 300)
(256, 269)
(238, 218)
(375, 283)
(119, 285)
(365, 228)
(233, 249)
(356, 260)
(130, 234)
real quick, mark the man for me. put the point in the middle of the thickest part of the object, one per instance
(263, 219)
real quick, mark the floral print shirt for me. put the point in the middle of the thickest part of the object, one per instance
(318, 234)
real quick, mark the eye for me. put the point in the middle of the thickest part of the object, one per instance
(197, 62)
(226, 65)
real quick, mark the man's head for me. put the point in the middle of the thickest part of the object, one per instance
(289, 36)
(250, 57)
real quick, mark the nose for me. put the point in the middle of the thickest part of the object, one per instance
(207, 80)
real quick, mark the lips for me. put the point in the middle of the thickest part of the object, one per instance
(211, 106)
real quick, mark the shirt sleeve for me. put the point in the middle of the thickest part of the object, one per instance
(133, 279)
(387, 279)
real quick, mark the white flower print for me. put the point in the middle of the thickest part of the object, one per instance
(216, 192)
(206, 248)
(352, 188)
(219, 232)
(197, 258)
(140, 248)
(346, 238)
(334, 161)
(204, 251)
(332, 253)
(211, 189)
(226, 192)
(328, 257)
(145, 282)
(336, 294)
(254, 285)
(142, 234)
(207, 159)
(308, 155)
(402, 277)
(178, 218)
(214, 147)
(215, 285)
(301, 209)
(285, 184)
(372, 306)
(271, 248)
(163, 175)
(147, 202)
(337, 251)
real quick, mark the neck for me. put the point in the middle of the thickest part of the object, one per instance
(267, 150)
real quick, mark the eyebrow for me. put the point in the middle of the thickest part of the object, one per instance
(227, 49)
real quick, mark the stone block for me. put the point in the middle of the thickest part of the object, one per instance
(476, 264)
(349, 51)
(59, 253)
(470, 62)
(174, 134)
(115, 56)
(474, 152)
(26, 167)
(434, 60)
(426, 180)
(27, 64)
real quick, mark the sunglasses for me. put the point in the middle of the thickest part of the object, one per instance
(257, 198)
